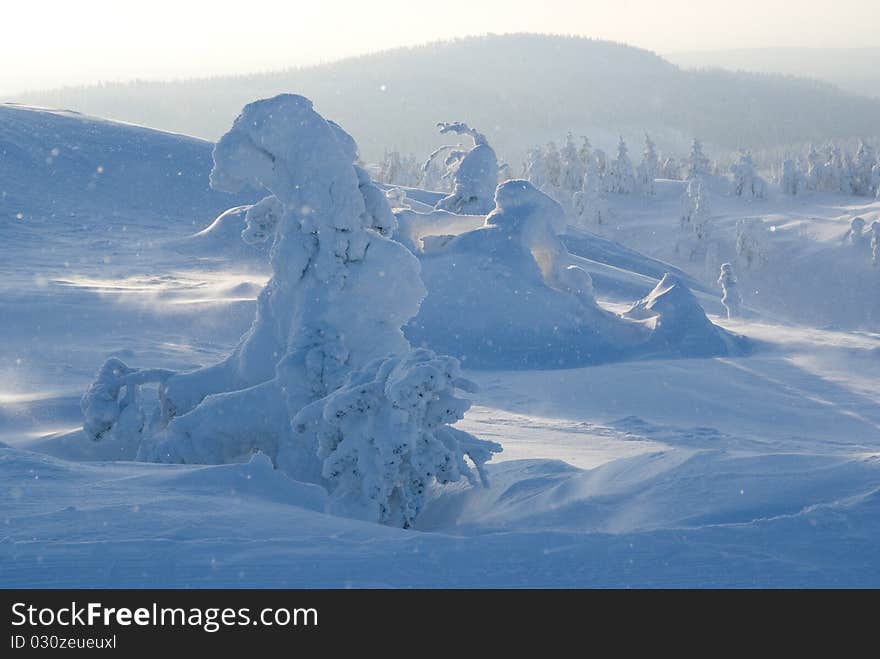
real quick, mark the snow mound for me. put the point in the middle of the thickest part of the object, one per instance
(510, 295)
(679, 325)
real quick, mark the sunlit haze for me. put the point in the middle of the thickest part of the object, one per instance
(58, 43)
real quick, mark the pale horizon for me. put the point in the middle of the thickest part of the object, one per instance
(96, 41)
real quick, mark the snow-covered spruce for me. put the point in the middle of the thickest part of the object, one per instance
(855, 234)
(590, 205)
(384, 438)
(340, 292)
(746, 182)
(474, 173)
(791, 179)
(622, 179)
(730, 296)
(875, 243)
(696, 164)
(649, 168)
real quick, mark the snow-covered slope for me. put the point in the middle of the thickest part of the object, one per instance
(750, 470)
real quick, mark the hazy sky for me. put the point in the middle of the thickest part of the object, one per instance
(49, 43)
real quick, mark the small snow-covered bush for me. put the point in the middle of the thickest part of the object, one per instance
(384, 438)
(111, 405)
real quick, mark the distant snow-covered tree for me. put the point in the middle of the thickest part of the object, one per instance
(649, 168)
(751, 242)
(855, 234)
(730, 296)
(746, 182)
(585, 152)
(688, 197)
(697, 164)
(572, 176)
(875, 180)
(474, 173)
(389, 168)
(590, 204)
(863, 182)
(554, 164)
(434, 171)
(833, 169)
(815, 169)
(875, 243)
(671, 169)
(603, 167)
(622, 178)
(695, 217)
(400, 170)
(790, 178)
(535, 168)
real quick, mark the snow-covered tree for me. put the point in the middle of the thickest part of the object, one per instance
(535, 169)
(474, 173)
(833, 175)
(340, 292)
(385, 437)
(585, 152)
(692, 188)
(572, 176)
(730, 296)
(746, 182)
(701, 216)
(391, 167)
(855, 234)
(815, 169)
(604, 167)
(671, 169)
(695, 217)
(790, 178)
(400, 170)
(622, 179)
(435, 174)
(751, 242)
(875, 243)
(863, 175)
(697, 164)
(649, 168)
(590, 206)
(553, 159)
(875, 180)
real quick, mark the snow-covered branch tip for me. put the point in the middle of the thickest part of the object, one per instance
(461, 128)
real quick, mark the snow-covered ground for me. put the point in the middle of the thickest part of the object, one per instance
(759, 469)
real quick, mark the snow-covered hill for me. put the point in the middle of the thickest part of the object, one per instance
(597, 88)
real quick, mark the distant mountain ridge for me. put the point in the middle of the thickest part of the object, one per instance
(856, 70)
(519, 89)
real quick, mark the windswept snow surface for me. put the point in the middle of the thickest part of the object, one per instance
(753, 470)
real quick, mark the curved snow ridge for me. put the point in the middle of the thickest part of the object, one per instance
(256, 478)
(673, 489)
